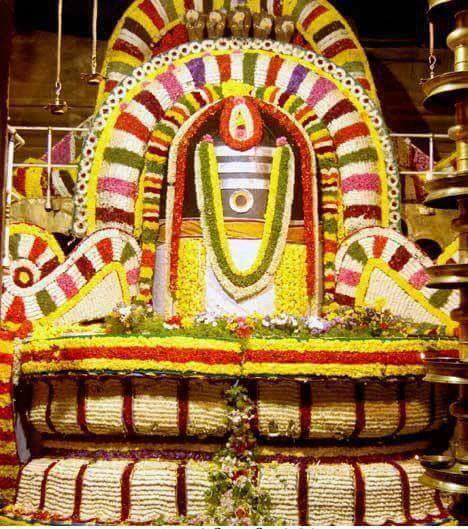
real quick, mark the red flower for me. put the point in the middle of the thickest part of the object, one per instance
(243, 330)
(241, 513)
(24, 329)
(238, 473)
(175, 320)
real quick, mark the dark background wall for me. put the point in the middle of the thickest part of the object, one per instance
(395, 39)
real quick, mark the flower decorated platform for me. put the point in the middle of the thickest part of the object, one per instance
(152, 354)
(236, 335)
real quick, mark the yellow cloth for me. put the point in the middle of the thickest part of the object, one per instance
(235, 229)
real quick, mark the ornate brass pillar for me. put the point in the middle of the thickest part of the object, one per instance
(449, 92)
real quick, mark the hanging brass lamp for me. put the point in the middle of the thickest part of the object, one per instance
(93, 78)
(59, 106)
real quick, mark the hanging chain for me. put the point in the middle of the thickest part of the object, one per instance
(58, 82)
(93, 77)
(94, 46)
(432, 58)
(58, 107)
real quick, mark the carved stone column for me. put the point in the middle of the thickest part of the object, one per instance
(449, 92)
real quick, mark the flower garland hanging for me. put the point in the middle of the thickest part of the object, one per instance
(177, 175)
(234, 497)
(309, 201)
(241, 284)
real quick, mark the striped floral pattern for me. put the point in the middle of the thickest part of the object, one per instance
(355, 358)
(103, 486)
(56, 286)
(360, 157)
(9, 463)
(34, 253)
(401, 256)
(334, 357)
(150, 26)
(152, 354)
(154, 175)
(195, 408)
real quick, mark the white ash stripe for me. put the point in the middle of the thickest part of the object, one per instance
(244, 167)
(224, 150)
(247, 183)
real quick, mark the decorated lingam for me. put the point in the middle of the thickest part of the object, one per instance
(237, 333)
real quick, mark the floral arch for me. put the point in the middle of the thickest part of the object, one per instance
(362, 144)
(301, 327)
(149, 27)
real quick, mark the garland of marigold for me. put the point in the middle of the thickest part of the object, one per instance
(245, 283)
(291, 114)
(9, 466)
(307, 174)
(175, 213)
(290, 282)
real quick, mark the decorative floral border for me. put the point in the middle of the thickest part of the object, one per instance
(370, 476)
(317, 357)
(291, 295)
(148, 28)
(329, 70)
(177, 177)
(61, 287)
(354, 410)
(9, 462)
(176, 183)
(399, 258)
(189, 296)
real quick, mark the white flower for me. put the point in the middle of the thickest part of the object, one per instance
(314, 323)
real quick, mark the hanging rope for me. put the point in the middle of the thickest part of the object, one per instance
(94, 46)
(58, 82)
(93, 78)
(59, 106)
(432, 57)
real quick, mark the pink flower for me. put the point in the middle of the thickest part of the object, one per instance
(281, 141)
(208, 138)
